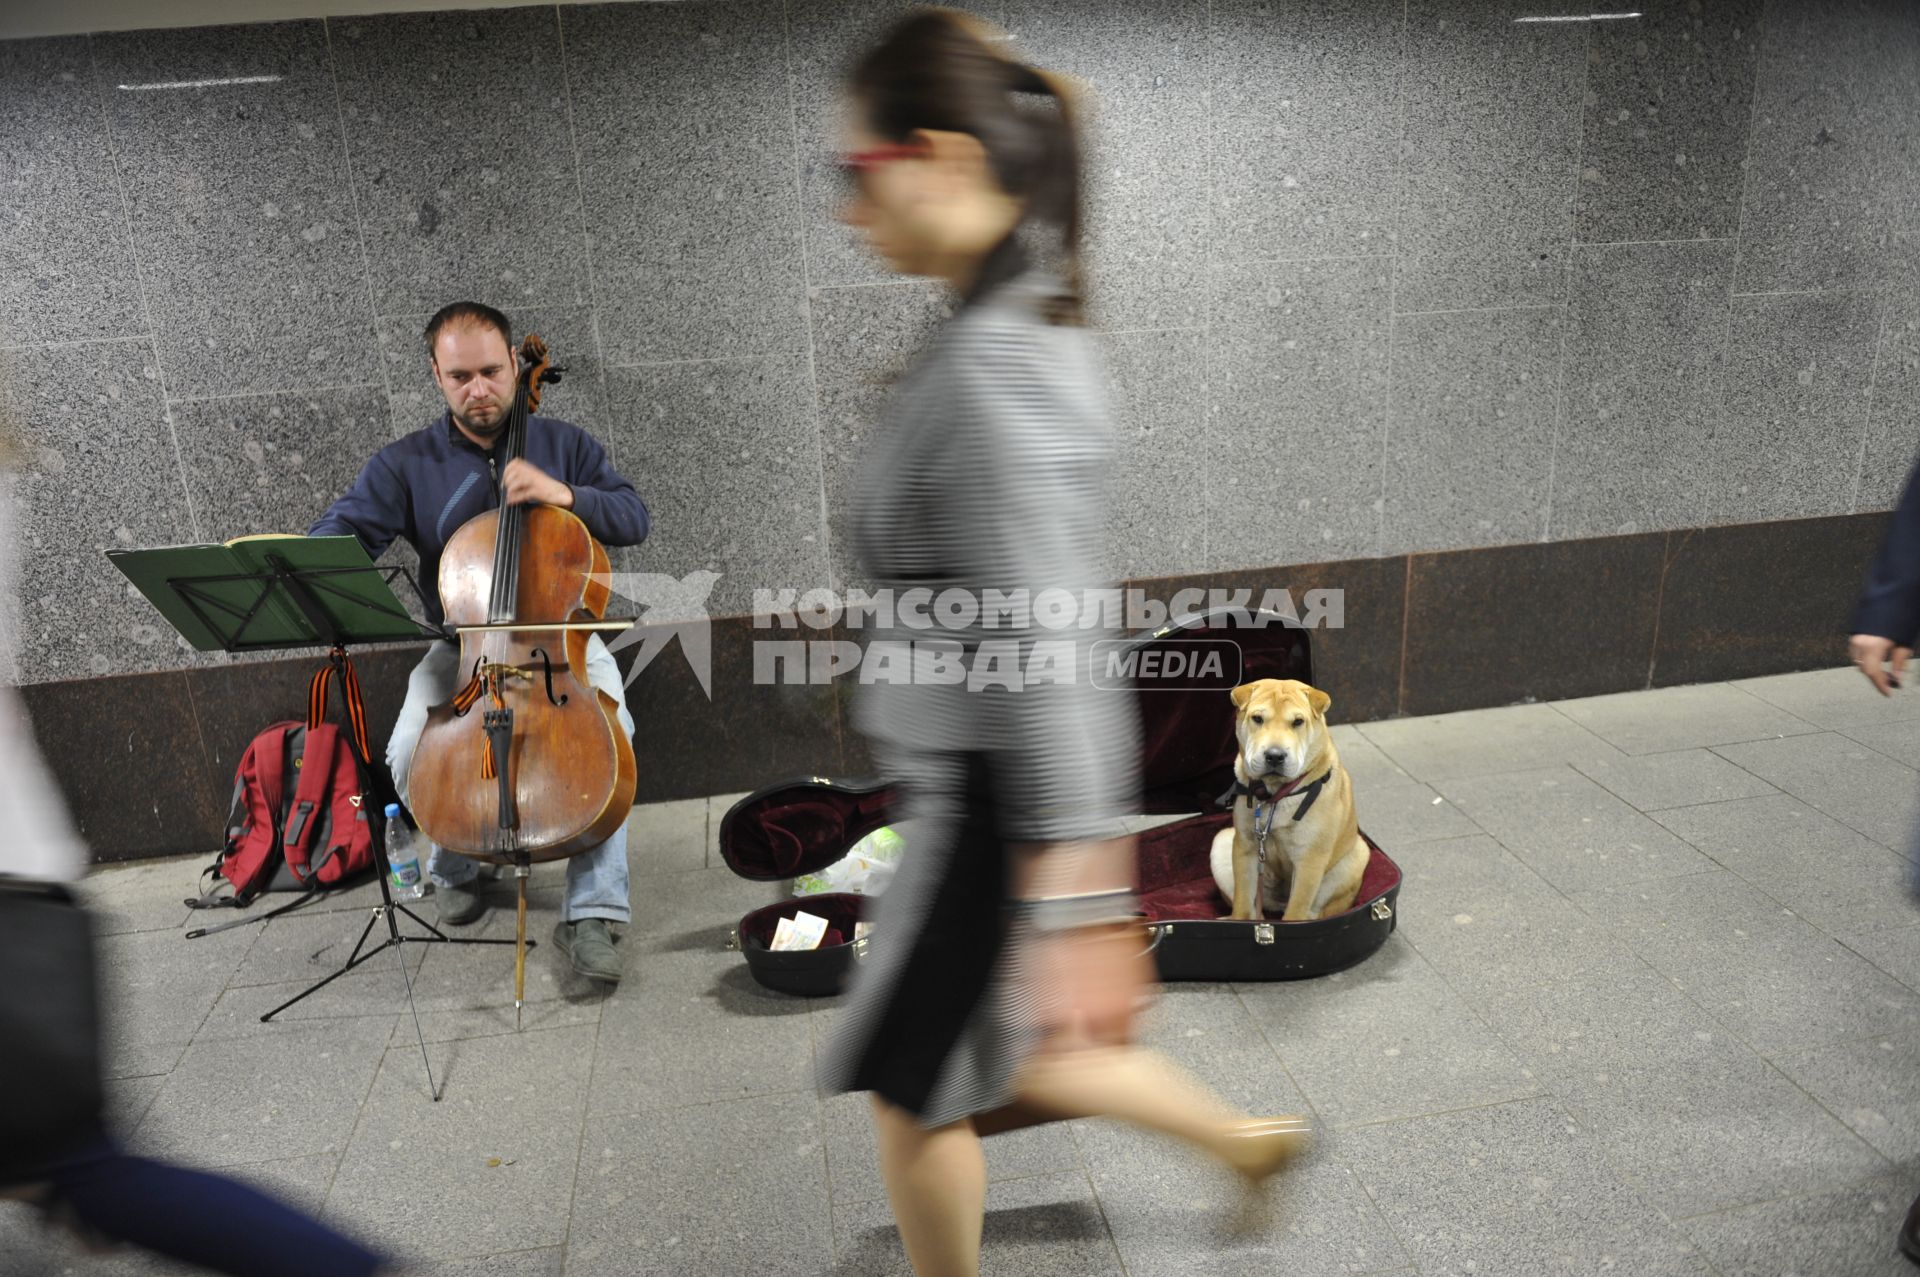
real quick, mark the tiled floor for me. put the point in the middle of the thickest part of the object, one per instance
(1653, 1007)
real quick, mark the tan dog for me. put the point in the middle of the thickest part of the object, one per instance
(1292, 786)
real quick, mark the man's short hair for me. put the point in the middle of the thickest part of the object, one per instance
(468, 314)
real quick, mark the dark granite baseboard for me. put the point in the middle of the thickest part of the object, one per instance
(146, 761)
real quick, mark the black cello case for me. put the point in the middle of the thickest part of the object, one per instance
(1187, 729)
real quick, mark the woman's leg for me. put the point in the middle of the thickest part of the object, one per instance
(1146, 1089)
(937, 1182)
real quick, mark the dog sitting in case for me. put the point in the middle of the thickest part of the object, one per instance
(1295, 844)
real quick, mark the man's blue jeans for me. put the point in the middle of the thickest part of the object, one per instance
(597, 879)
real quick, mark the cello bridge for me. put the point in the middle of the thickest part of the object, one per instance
(495, 670)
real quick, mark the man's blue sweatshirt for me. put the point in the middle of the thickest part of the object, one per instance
(424, 486)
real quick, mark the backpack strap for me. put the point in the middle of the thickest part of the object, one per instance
(310, 794)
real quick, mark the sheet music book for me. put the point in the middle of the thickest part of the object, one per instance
(227, 596)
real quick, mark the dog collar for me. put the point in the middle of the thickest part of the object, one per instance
(1309, 793)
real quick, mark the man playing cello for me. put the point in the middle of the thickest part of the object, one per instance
(423, 488)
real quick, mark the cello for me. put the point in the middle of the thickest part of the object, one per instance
(528, 762)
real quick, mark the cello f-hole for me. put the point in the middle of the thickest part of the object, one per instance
(546, 663)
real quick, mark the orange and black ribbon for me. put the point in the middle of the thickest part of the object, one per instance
(322, 686)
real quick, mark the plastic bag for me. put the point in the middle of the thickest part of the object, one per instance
(864, 871)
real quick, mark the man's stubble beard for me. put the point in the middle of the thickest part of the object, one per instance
(490, 431)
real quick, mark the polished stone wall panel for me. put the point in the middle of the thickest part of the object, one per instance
(462, 158)
(232, 160)
(62, 224)
(1368, 277)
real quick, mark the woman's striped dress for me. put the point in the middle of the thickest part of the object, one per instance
(987, 476)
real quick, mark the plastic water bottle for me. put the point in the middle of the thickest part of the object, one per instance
(403, 862)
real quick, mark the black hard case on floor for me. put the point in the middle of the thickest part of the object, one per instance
(801, 826)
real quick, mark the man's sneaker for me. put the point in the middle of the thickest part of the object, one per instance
(460, 904)
(588, 944)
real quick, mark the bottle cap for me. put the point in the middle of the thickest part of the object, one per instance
(393, 809)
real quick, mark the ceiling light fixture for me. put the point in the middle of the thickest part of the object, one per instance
(201, 84)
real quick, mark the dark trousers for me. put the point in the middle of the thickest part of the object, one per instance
(202, 1218)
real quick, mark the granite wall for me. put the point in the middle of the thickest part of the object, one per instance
(1372, 277)
(1379, 284)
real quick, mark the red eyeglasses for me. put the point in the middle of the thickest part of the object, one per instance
(854, 164)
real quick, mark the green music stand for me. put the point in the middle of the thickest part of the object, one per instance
(273, 593)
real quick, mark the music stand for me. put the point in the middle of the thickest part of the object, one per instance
(275, 593)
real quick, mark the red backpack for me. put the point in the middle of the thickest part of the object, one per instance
(296, 821)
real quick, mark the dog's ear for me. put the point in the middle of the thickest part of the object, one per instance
(1318, 701)
(1242, 694)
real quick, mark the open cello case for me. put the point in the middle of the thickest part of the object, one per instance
(1187, 732)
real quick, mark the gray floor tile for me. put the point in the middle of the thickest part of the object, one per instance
(693, 1029)
(1857, 786)
(1396, 816)
(1869, 1085)
(1683, 778)
(735, 1187)
(129, 1098)
(1767, 975)
(1383, 1040)
(1723, 1130)
(1515, 1188)
(305, 946)
(1486, 922)
(1169, 1209)
(1570, 831)
(550, 1261)
(1636, 1006)
(459, 991)
(1895, 951)
(466, 991)
(1482, 742)
(1899, 741)
(377, 993)
(301, 1182)
(667, 837)
(156, 989)
(148, 895)
(1046, 1226)
(694, 912)
(718, 805)
(1665, 719)
(1849, 1231)
(1364, 761)
(1622, 1021)
(285, 1092)
(1834, 698)
(1838, 880)
(853, 1165)
(499, 1150)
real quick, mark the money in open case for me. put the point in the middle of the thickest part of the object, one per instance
(1181, 675)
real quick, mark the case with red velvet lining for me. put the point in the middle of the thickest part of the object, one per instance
(1187, 726)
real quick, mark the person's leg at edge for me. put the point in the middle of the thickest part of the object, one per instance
(430, 684)
(206, 1219)
(937, 1182)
